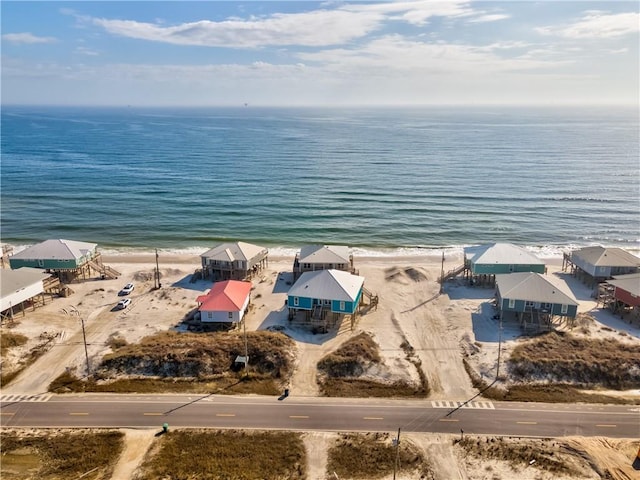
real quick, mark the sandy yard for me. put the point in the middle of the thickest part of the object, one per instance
(439, 326)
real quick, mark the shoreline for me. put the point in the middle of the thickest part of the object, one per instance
(550, 253)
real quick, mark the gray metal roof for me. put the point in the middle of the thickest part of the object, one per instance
(324, 254)
(328, 285)
(500, 253)
(534, 287)
(229, 252)
(629, 283)
(12, 281)
(606, 257)
(56, 249)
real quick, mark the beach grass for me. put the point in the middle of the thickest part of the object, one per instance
(225, 454)
(340, 372)
(57, 454)
(373, 455)
(553, 456)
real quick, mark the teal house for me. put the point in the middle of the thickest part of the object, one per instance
(325, 294)
(534, 299)
(67, 258)
(483, 262)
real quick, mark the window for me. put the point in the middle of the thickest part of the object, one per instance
(327, 302)
(342, 307)
(564, 309)
(296, 301)
(230, 314)
(512, 303)
(209, 315)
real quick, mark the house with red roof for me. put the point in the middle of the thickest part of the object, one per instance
(226, 302)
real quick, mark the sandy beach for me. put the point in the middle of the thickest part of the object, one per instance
(441, 327)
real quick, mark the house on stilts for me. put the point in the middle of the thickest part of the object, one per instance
(483, 262)
(234, 261)
(69, 260)
(324, 298)
(536, 301)
(312, 258)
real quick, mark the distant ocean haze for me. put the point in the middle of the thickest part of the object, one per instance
(381, 180)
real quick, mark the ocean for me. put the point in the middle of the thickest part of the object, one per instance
(381, 180)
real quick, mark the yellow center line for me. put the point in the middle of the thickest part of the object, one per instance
(527, 423)
(298, 416)
(373, 418)
(7, 413)
(152, 413)
(606, 425)
(225, 414)
(449, 420)
(78, 413)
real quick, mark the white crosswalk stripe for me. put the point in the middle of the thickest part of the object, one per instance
(24, 398)
(450, 404)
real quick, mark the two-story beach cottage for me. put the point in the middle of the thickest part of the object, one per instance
(534, 299)
(68, 259)
(225, 303)
(484, 262)
(234, 261)
(312, 258)
(325, 296)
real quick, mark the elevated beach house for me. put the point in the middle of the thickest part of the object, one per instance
(484, 262)
(594, 265)
(312, 258)
(325, 296)
(234, 261)
(535, 300)
(622, 294)
(22, 288)
(226, 302)
(68, 259)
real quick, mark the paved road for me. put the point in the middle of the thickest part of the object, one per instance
(308, 413)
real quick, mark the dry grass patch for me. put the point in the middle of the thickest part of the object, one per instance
(564, 358)
(553, 456)
(555, 367)
(191, 362)
(554, 393)
(340, 370)
(10, 339)
(60, 454)
(373, 455)
(226, 454)
(11, 369)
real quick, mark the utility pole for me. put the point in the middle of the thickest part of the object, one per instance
(156, 278)
(246, 348)
(395, 463)
(442, 274)
(499, 343)
(75, 311)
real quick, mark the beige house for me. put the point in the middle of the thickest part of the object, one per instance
(234, 261)
(322, 257)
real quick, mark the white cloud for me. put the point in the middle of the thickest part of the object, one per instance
(596, 24)
(86, 51)
(317, 28)
(416, 12)
(493, 17)
(394, 53)
(26, 38)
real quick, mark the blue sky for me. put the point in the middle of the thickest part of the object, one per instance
(298, 53)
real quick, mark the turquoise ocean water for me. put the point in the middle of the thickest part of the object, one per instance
(381, 180)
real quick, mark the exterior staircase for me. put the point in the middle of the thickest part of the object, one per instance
(103, 269)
